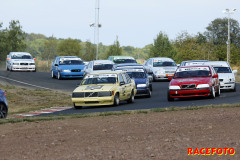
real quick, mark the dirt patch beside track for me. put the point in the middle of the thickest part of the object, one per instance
(162, 135)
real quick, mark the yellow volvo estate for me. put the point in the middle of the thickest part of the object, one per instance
(104, 88)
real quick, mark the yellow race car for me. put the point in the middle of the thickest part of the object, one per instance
(104, 88)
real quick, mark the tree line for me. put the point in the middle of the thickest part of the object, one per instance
(209, 45)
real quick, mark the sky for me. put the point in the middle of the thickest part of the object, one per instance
(135, 22)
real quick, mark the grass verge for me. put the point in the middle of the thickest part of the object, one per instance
(22, 100)
(117, 113)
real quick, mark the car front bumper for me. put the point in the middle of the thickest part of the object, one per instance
(190, 93)
(162, 76)
(93, 101)
(227, 85)
(72, 74)
(142, 91)
(23, 68)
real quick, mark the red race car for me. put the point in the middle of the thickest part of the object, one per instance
(194, 81)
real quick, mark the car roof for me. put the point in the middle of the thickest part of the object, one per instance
(103, 61)
(26, 53)
(127, 64)
(122, 57)
(217, 63)
(163, 59)
(105, 72)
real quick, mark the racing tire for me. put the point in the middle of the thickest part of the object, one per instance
(218, 92)
(235, 88)
(149, 93)
(3, 111)
(131, 99)
(170, 99)
(7, 68)
(151, 87)
(212, 94)
(116, 99)
(52, 75)
(77, 107)
(59, 76)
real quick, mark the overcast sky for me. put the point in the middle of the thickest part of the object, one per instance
(135, 22)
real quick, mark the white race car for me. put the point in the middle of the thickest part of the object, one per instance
(225, 73)
(20, 61)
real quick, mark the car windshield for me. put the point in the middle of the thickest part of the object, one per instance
(163, 64)
(223, 69)
(189, 74)
(136, 74)
(21, 56)
(118, 61)
(99, 80)
(71, 62)
(103, 67)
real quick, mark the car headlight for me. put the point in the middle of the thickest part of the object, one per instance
(203, 86)
(141, 85)
(66, 70)
(159, 72)
(15, 63)
(174, 87)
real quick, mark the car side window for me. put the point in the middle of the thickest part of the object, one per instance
(128, 78)
(124, 78)
(120, 78)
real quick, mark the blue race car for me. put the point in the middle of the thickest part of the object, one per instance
(3, 104)
(141, 78)
(67, 67)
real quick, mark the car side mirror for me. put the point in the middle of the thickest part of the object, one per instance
(215, 76)
(56, 65)
(235, 71)
(170, 78)
(122, 83)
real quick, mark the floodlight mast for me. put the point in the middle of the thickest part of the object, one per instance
(228, 12)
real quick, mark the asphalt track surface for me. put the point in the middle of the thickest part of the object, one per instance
(43, 80)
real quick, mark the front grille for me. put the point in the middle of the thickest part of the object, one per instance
(91, 94)
(76, 70)
(188, 86)
(23, 63)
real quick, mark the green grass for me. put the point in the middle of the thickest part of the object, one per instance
(117, 113)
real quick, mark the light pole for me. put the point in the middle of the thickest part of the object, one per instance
(228, 12)
(96, 26)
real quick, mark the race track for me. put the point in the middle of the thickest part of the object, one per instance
(43, 80)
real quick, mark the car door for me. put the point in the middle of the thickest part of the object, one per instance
(215, 79)
(128, 85)
(55, 66)
(122, 87)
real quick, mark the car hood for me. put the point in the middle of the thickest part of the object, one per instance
(23, 60)
(140, 80)
(72, 67)
(94, 88)
(226, 75)
(169, 68)
(195, 80)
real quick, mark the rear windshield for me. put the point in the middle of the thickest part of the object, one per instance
(20, 56)
(163, 64)
(118, 61)
(103, 67)
(223, 69)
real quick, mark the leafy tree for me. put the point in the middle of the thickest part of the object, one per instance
(69, 47)
(217, 31)
(50, 49)
(115, 49)
(11, 39)
(162, 47)
(90, 51)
